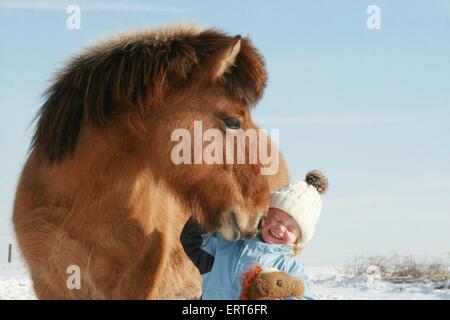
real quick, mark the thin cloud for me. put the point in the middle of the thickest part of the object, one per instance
(95, 5)
(329, 120)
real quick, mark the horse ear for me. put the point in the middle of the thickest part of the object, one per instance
(226, 58)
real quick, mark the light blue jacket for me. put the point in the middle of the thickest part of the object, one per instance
(233, 258)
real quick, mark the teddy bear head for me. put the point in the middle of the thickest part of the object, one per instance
(270, 284)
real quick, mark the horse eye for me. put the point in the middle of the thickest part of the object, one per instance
(279, 283)
(232, 123)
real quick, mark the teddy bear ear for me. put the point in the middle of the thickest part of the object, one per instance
(248, 278)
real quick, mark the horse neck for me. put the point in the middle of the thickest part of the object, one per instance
(128, 183)
(104, 179)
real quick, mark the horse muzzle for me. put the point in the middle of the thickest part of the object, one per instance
(239, 225)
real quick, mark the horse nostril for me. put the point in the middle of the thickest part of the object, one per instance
(261, 223)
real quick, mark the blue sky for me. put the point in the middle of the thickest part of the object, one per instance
(370, 108)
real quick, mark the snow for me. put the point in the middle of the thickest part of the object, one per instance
(327, 282)
(330, 283)
(15, 283)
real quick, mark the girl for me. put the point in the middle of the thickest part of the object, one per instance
(293, 212)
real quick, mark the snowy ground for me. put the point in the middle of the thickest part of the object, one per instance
(330, 284)
(326, 283)
(15, 283)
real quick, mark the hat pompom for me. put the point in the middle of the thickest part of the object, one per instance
(318, 180)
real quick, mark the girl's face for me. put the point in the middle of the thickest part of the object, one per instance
(280, 228)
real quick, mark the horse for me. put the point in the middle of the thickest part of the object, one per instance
(99, 191)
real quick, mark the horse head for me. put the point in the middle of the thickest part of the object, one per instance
(134, 91)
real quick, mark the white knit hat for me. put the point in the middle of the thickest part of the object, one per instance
(301, 200)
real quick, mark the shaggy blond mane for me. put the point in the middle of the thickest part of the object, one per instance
(136, 71)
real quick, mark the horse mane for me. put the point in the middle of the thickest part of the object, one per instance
(135, 71)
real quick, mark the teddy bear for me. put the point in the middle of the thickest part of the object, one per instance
(270, 284)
